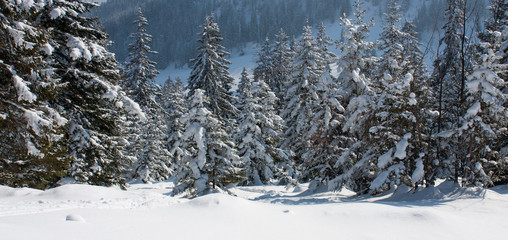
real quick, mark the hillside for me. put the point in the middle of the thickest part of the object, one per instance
(174, 24)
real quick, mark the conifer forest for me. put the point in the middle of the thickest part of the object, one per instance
(371, 116)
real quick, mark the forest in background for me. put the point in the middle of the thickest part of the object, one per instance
(70, 113)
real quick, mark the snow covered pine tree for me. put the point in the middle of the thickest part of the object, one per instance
(32, 153)
(209, 156)
(90, 98)
(147, 138)
(259, 134)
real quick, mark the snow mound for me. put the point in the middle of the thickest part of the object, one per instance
(446, 191)
(74, 218)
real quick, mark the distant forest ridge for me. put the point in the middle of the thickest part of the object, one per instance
(175, 24)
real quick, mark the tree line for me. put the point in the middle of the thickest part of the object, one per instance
(380, 123)
(174, 22)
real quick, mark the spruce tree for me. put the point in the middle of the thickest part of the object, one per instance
(32, 152)
(210, 71)
(353, 166)
(424, 108)
(450, 72)
(281, 67)
(208, 158)
(90, 98)
(357, 55)
(264, 68)
(301, 97)
(483, 127)
(327, 141)
(323, 43)
(259, 134)
(175, 105)
(147, 138)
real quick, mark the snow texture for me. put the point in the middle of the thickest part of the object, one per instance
(418, 174)
(259, 212)
(385, 159)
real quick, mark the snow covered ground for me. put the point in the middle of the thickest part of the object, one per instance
(147, 211)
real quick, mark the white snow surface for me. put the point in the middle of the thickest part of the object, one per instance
(146, 211)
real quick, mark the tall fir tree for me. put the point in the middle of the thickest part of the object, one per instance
(356, 63)
(32, 152)
(91, 99)
(264, 68)
(147, 138)
(394, 139)
(259, 134)
(210, 71)
(174, 102)
(420, 86)
(483, 127)
(357, 55)
(327, 140)
(281, 66)
(449, 76)
(208, 157)
(301, 97)
(323, 43)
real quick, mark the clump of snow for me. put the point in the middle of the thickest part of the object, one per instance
(3, 116)
(32, 150)
(412, 99)
(24, 93)
(57, 13)
(78, 49)
(133, 108)
(35, 121)
(473, 110)
(385, 159)
(419, 172)
(27, 4)
(382, 179)
(74, 218)
(48, 49)
(401, 147)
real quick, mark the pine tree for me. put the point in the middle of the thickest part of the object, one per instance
(210, 72)
(353, 165)
(281, 66)
(301, 97)
(208, 157)
(323, 43)
(483, 127)
(327, 141)
(175, 105)
(90, 99)
(259, 133)
(357, 55)
(140, 70)
(449, 76)
(264, 68)
(423, 110)
(394, 142)
(147, 138)
(31, 131)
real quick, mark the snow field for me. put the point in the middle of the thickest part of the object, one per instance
(258, 212)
